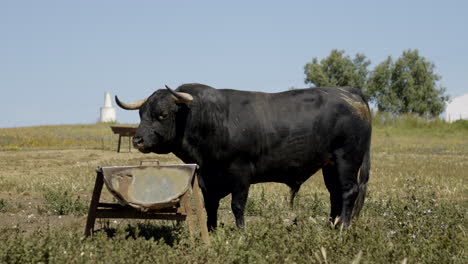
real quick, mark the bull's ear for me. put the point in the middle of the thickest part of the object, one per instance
(183, 98)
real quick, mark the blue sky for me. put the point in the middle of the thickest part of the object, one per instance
(57, 58)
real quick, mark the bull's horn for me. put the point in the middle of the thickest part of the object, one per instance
(181, 97)
(130, 106)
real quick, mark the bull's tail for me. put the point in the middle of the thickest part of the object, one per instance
(362, 182)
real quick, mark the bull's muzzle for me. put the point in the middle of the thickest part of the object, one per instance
(138, 142)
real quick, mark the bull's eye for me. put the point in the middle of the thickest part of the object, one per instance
(162, 116)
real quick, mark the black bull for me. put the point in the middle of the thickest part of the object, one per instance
(239, 138)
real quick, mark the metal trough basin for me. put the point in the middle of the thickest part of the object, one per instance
(149, 187)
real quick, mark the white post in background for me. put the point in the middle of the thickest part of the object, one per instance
(107, 111)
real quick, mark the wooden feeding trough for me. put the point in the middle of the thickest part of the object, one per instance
(162, 192)
(124, 131)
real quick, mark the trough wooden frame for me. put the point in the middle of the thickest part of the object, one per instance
(182, 212)
(124, 131)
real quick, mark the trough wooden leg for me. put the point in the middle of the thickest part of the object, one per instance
(129, 143)
(94, 203)
(118, 146)
(185, 201)
(199, 211)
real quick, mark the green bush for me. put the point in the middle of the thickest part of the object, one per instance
(3, 205)
(461, 124)
(62, 203)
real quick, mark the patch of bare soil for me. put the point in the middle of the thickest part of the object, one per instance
(23, 212)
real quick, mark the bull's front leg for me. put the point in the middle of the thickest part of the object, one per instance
(211, 207)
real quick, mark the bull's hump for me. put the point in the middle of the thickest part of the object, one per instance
(192, 87)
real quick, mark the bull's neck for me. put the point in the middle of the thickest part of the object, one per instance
(187, 155)
(200, 126)
(182, 148)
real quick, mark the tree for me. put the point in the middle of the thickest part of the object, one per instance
(338, 70)
(408, 85)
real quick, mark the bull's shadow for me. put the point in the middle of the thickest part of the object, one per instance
(170, 233)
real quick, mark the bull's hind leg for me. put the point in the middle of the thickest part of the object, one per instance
(341, 181)
(349, 189)
(238, 202)
(292, 194)
(330, 176)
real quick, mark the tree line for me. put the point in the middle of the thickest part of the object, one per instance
(408, 84)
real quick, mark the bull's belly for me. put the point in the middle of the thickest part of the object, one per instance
(285, 173)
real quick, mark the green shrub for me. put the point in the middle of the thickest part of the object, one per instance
(461, 124)
(62, 203)
(3, 205)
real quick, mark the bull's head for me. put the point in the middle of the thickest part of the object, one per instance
(158, 114)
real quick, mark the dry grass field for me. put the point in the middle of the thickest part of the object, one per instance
(416, 211)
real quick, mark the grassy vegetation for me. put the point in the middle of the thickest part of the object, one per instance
(62, 203)
(411, 124)
(91, 136)
(416, 209)
(3, 205)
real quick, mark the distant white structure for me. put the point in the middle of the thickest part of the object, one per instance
(107, 111)
(457, 109)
